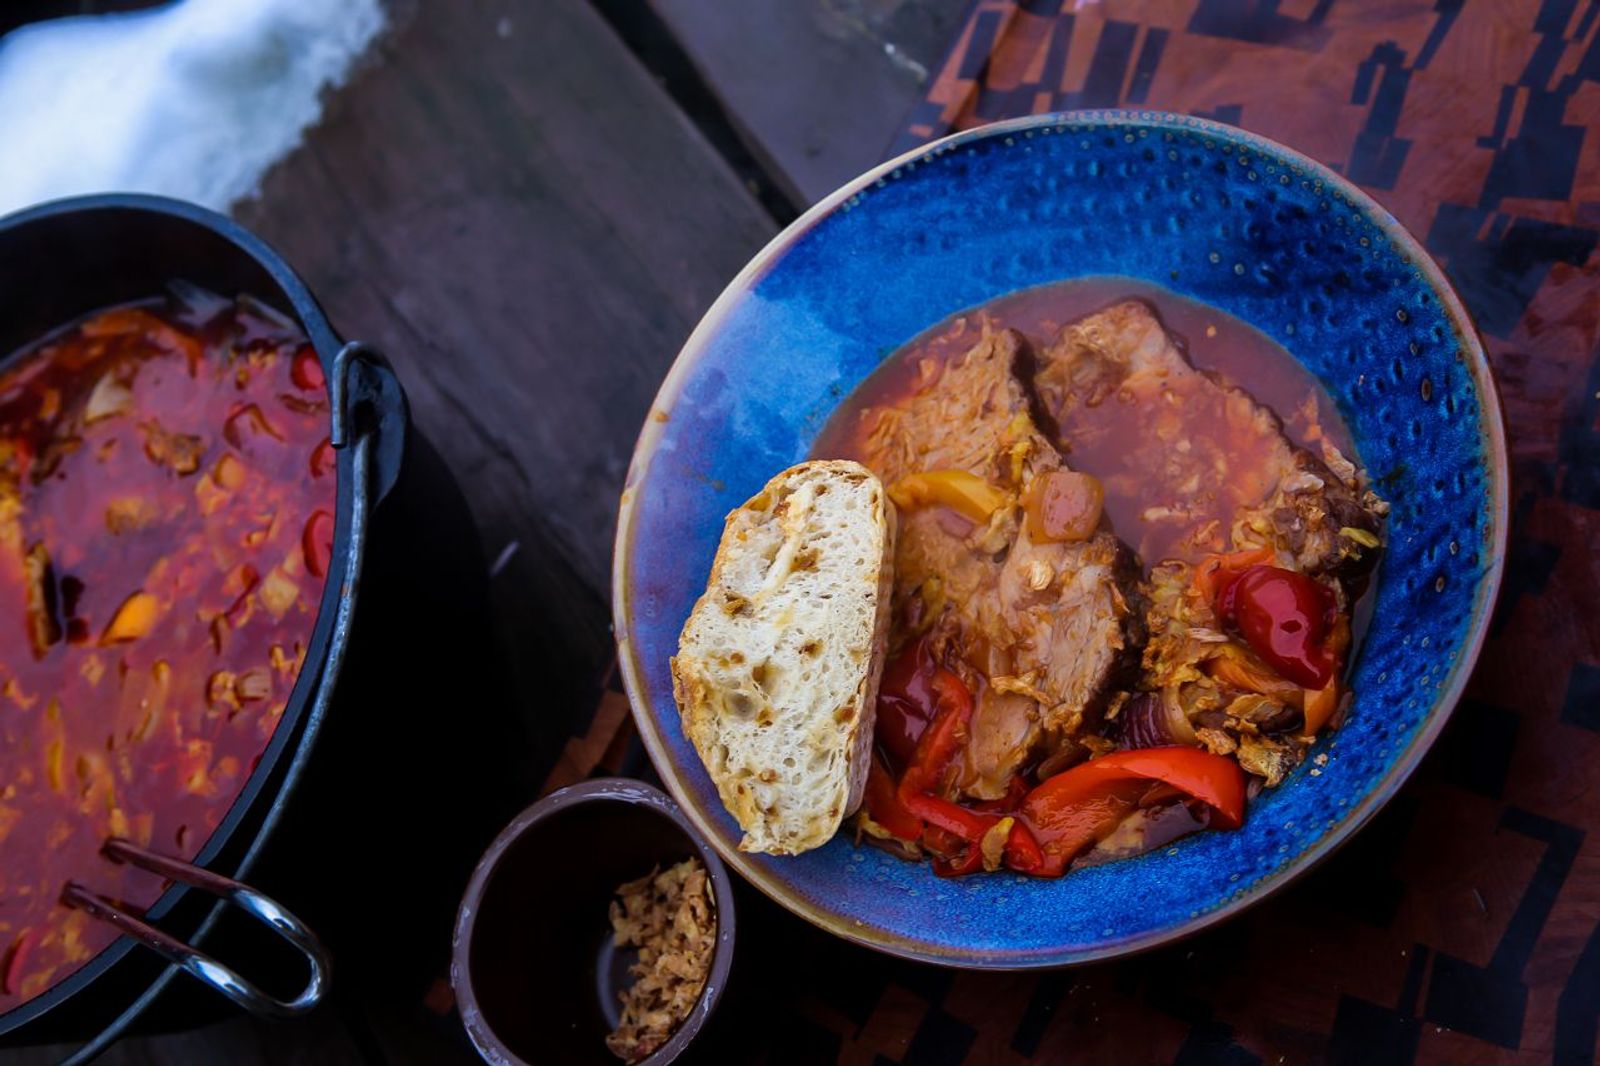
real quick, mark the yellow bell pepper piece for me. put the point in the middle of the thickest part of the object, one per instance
(133, 619)
(54, 755)
(1238, 667)
(969, 495)
(1320, 705)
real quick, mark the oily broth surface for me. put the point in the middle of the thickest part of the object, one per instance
(166, 517)
(1229, 349)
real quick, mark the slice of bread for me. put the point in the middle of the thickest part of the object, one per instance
(777, 669)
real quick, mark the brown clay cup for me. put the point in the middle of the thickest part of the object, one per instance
(535, 973)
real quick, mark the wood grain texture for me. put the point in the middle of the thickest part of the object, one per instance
(817, 87)
(512, 209)
(509, 206)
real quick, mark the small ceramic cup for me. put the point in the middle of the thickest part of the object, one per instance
(535, 973)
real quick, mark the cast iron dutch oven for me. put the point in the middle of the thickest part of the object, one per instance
(58, 262)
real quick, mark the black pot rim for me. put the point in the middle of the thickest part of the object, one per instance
(288, 734)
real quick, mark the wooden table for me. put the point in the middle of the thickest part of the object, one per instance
(529, 205)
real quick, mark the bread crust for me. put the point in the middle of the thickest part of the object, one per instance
(776, 676)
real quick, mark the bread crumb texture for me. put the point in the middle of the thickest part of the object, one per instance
(777, 670)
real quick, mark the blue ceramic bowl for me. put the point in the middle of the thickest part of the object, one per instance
(1210, 212)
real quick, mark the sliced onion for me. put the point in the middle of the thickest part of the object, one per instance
(1178, 723)
(1145, 829)
(1155, 720)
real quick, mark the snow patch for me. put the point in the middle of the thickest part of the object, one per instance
(195, 100)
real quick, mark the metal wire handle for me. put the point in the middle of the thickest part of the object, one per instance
(195, 962)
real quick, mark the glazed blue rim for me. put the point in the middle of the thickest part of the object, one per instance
(1493, 442)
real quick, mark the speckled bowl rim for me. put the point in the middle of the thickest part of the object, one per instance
(1498, 474)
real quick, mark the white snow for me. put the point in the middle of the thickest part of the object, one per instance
(194, 100)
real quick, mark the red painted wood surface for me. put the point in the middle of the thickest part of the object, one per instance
(1464, 925)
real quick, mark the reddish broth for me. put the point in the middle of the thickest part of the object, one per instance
(1103, 441)
(165, 523)
(1112, 441)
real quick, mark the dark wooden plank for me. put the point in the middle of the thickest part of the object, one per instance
(513, 210)
(818, 87)
(519, 217)
(516, 213)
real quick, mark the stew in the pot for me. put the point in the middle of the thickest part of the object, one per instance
(166, 524)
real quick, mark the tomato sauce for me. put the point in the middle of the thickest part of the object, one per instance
(166, 516)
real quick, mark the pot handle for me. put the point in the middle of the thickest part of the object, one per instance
(367, 399)
(198, 963)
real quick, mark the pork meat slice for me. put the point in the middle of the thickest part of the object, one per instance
(1048, 632)
(1223, 470)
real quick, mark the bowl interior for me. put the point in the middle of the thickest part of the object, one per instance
(542, 975)
(1208, 212)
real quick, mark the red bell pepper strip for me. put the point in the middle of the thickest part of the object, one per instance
(952, 855)
(1064, 818)
(906, 703)
(1215, 780)
(316, 541)
(1075, 808)
(1016, 792)
(16, 959)
(969, 862)
(940, 743)
(1022, 851)
(940, 842)
(884, 806)
(951, 817)
(944, 737)
(1070, 812)
(322, 458)
(306, 370)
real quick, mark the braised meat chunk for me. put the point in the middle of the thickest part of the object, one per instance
(1213, 464)
(1227, 492)
(1052, 697)
(1043, 624)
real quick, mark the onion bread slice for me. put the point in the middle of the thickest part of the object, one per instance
(777, 669)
